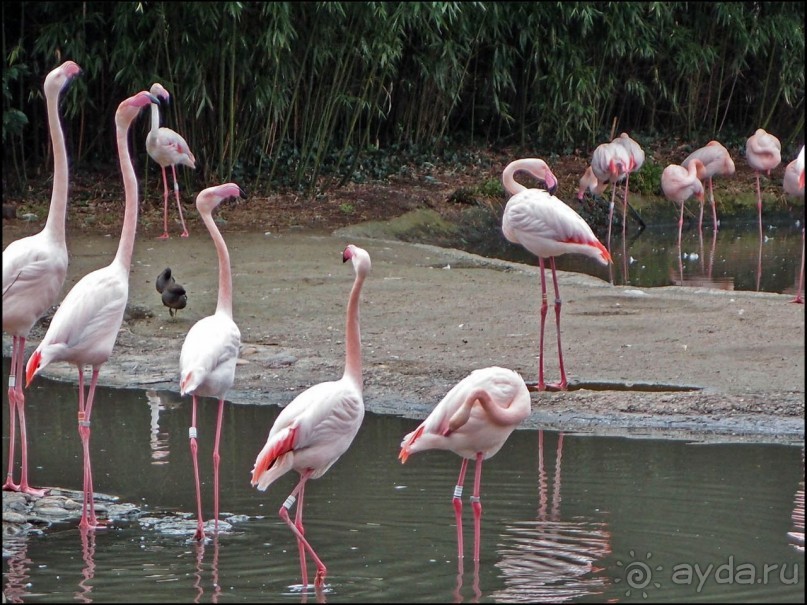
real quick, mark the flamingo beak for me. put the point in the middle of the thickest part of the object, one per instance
(403, 455)
(33, 366)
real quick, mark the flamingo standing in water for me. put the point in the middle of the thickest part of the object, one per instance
(679, 184)
(610, 163)
(764, 153)
(85, 326)
(793, 184)
(210, 351)
(547, 227)
(34, 269)
(473, 420)
(317, 427)
(635, 163)
(167, 148)
(716, 161)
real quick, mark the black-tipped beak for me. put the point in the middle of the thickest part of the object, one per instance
(242, 193)
(153, 99)
(552, 189)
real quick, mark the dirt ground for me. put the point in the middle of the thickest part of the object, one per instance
(678, 362)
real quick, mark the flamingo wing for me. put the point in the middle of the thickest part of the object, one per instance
(208, 357)
(312, 432)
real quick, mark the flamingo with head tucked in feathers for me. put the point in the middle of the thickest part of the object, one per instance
(764, 153)
(610, 163)
(547, 227)
(34, 269)
(793, 184)
(716, 161)
(85, 326)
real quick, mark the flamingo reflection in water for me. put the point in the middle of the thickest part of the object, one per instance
(16, 585)
(200, 556)
(88, 573)
(796, 535)
(551, 559)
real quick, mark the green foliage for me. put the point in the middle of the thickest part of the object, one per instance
(310, 95)
(647, 180)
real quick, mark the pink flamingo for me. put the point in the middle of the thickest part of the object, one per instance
(590, 181)
(679, 184)
(610, 163)
(210, 351)
(473, 420)
(635, 163)
(85, 326)
(547, 227)
(793, 184)
(316, 428)
(167, 148)
(764, 153)
(34, 269)
(716, 161)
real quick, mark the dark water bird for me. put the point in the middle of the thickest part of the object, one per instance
(173, 295)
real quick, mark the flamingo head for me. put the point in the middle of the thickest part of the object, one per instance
(159, 91)
(359, 257)
(208, 199)
(34, 365)
(61, 76)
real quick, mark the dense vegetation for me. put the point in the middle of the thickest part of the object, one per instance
(305, 94)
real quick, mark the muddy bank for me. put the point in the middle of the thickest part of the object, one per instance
(673, 362)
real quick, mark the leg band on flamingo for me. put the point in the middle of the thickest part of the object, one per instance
(192, 432)
(458, 491)
(289, 502)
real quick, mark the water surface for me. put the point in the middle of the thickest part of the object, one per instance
(566, 517)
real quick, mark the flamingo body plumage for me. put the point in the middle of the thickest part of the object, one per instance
(313, 431)
(473, 420)
(34, 269)
(209, 353)
(611, 163)
(85, 326)
(168, 148)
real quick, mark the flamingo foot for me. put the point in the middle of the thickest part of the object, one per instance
(199, 536)
(164, 236)
(10, 486)
(557, 386)
(535, 387)
(84, 524)
(319, 581)
(185, 233)
(798, 300)
(36, 493)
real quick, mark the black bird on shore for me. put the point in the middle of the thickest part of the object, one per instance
(173, 295)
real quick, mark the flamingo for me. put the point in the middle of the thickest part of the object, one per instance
(793, 184)
(473, 420)
(679, 184)
(210, 351)
(610, 163)
(635, 163)
(173, 295)
(85, 326)
(590, 181)
(317, 427)
(763, 152)
(167, 148)
(716, 162)
(34, 269)
(547, 227)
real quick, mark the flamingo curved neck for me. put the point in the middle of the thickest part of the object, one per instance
(127, 238)
(498, 414)
(58, 200)
(353, 333)
(527, 165)
(225, 300)
(155, 118)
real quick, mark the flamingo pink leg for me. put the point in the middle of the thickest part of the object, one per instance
(625, 207)
(298, 523)
(714, 206)
(84, 414)
(798, 299)
(16, 404)
(610, 216)
(179, 205)
(544, 308)
(299, 531)
(457, 500)
(216, 460)
(759, 206)
(200, 531)
(165, 206)
(476, 504)
(563, 382)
